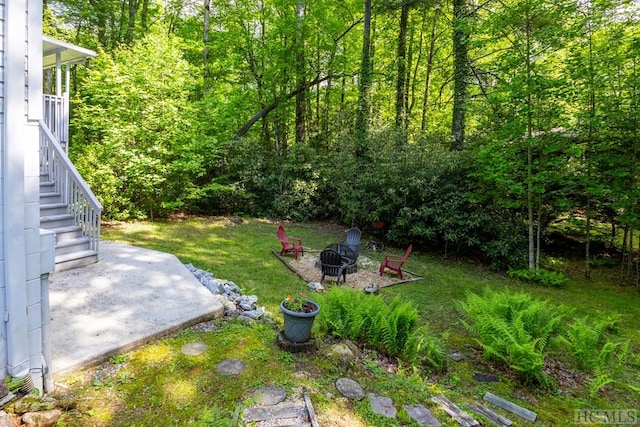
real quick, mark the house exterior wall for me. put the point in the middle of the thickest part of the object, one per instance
(3, 328)
(21, 278)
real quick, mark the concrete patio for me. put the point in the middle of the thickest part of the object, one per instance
(130, 297)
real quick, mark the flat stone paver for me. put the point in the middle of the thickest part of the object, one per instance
(382, 405)
(230, 367)
(269, 395)
(350, 388)
(422, 415)
(194, 348)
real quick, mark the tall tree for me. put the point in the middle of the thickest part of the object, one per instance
(401, 60)
(299, 44)
(205, 41)
(364, 81)
(429, 69)
(460, 71)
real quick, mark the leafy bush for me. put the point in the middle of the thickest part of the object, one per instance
(515, 329)
(550, 279)
(390, 328)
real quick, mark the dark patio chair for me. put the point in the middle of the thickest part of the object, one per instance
(289, 244)
(353, 240)
(333, 264)
(394, 262)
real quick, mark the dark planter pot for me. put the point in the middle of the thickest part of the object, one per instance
(297, 325)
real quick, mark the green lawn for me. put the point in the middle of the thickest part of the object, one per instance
(157, 385)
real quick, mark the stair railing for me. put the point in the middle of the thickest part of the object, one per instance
(80, 200)
(56, 116)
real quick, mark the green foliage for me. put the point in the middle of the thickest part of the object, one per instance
(513, 328)
(550, 279)
(135, 133)
(390, 328)
(288, 186)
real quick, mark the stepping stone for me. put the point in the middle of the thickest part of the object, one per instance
(269, 396)
(454, 412)
(511, 407)
(350, 388)
(485, 378)
(194, 348)
(422, 415)
(382, 405)
(457, 357)
(230, 367)
(496, 418)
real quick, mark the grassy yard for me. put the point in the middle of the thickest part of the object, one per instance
(157, 385)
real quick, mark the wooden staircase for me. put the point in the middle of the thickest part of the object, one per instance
(72, 248)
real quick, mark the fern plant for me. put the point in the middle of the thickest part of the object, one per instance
(389, 328)
(513, 328)
(551, 279)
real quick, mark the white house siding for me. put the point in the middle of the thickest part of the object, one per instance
(21, 292)
(3, 329)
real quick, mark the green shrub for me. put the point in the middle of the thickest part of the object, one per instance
(550, 279)
(391, 328)
(515, 329)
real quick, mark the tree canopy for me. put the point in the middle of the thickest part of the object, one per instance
(349, 110)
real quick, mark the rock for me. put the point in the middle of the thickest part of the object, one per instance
(255, 314)
(422, 415)
(194, 348)
(41, 419)
(382, 405)
(4, 390)
(230, 367)
(485, 378)
(269, 395)
(247, 302)
(373, 288)
(350, 388)
(231, 287)
(315, 286)
(235, 219)
(34, 404)
(214, 287)
(7, 420)
(340, 351)
(354, 348)
(457, 357)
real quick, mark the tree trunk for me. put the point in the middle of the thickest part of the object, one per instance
(530, 202)
(144, 18)
(401, 59)
(266, 110)
(131, 24)
(362, 118)
(205, 41)
(460, 72)
(300, 72)
(430, 55)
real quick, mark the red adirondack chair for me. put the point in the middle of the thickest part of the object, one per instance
(289, 244)
(394, 262)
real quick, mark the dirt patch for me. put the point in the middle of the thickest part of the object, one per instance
(306, 267)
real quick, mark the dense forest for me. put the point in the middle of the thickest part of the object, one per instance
(464, 125)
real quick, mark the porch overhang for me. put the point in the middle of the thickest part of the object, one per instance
(56, 52)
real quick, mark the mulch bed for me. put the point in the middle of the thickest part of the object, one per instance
(367, 274)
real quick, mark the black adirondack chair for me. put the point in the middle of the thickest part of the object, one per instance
(333, 264)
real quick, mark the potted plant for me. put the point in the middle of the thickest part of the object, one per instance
(299, 314)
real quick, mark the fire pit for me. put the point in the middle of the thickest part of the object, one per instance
(349, 256)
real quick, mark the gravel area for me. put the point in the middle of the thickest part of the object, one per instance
(366, 275)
